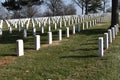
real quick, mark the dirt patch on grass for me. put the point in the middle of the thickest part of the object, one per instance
(7, 60)
(54, 43)
(99, 24)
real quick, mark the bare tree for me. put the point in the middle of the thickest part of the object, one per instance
(27, 12)
(104, 5)
(119, 4)
(55, 6)
(69, 9)
(81, 4)
(47, 13)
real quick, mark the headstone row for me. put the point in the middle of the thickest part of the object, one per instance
(103, 42)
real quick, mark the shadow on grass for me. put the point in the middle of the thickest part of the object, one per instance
(93, 31)
(8, 54)
(29, 48)
(88, 44)
(77, 57)
(7, 38)
(85, 49)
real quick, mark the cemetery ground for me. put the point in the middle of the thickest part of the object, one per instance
(74, 58)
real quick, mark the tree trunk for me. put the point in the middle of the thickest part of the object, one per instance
(82, 8)
(115, 13)
(86, 7)
(104, 7)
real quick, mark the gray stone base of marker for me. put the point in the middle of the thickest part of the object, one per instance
(50, 37)
(100, 47)
(67, 32)
(37, 42)
(20, 47)
(60, 34)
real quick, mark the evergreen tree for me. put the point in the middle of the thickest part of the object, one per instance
(17, 4)
(94, 6)
(89, 5)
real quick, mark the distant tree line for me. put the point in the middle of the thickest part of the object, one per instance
(27, 8)
(92, 6)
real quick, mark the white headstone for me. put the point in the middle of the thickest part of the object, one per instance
(10, 30)
(50, 37)
(37, 42)
(90, 24)
(73, 29)
(106, 40)
(55, 26)
(115, 29)
(42, 29)
(25, 33)
(109, 36)
(20, 47)
(34, 31)
(87, 25)
(78, 27)
(60, 34)
(19, 28)
(83, 26)
(49, 28)
(100, 47)
(60, 24)
(113, 32)
(0, 31)
(67, 32)
(64, 23)
(93, 22)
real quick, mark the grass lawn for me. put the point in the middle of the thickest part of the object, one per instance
(75, 58)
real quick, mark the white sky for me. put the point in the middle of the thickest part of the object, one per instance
(2, 0)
